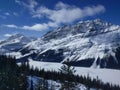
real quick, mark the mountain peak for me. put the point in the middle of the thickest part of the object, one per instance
(98, 20)
(95, 21)
(16, 41)
(89, 27)
(16, 35)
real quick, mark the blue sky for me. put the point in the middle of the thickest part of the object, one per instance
(36, 17)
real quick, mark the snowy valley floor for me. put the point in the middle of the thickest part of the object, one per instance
(106, 75)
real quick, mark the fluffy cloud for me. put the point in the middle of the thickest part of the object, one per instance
(64, 13)
(11, 26)
(30, 5)
(36, 27)
(7, 14)
(15, 14)
(39, 27)
(61, 13)
(7, 35)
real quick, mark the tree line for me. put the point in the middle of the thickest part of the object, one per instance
(15, 77)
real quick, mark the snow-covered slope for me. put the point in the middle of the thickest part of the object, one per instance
(92, 43)
(14, 43)
(56, 84)
(106, 75)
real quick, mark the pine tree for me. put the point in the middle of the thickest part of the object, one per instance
(68, 70)
(31, 85)
(40, 86)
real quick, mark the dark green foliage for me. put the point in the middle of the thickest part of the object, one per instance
(10, 77)
(72, 80)
(69, 71)
(31, 88)
(14, 77)
(64, 79)
(67, 68)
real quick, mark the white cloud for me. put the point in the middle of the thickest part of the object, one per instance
(62, 13)
(30, 5)
(17, 1)
(90, 11)
(7, 35)
(37, 27)
(40, 27)
(11, 26)
(7, 13)
(61, 5)
(15, 14)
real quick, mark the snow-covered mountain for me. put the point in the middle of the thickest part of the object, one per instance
(92, 43)
(14, 43)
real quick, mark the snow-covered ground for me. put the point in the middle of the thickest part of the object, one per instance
(106, 75)
(54, 85)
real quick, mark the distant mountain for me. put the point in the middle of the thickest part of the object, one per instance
(14, 43)
(92, 43)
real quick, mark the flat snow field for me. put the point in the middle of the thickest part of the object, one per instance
(106, 75)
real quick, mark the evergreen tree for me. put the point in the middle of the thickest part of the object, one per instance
(31, 85)
(68, 70)
(14, 77)
(40, 86)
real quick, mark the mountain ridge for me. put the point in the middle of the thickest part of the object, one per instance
(91, 43)
(15, 42)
